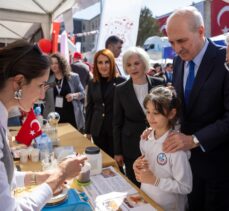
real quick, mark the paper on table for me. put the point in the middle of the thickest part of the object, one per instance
(122, 202)
(109, 190)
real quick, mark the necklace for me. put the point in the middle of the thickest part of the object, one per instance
(58, 82)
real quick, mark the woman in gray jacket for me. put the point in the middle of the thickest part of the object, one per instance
(66, 93)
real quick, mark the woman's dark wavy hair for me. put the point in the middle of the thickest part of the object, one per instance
(21, 57)
(63, 64)
(164, 99)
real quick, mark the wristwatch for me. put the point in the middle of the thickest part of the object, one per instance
(195, 140)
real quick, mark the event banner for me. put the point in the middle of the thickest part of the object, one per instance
(120, 18)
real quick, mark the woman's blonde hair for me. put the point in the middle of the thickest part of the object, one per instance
(143, 55)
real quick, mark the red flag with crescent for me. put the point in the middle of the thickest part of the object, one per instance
(162, 22)
(219, 17)
(29, 130)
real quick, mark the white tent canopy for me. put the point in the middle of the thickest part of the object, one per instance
(23, 18)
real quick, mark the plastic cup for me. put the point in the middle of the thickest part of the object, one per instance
(24, 156)
(35, 155)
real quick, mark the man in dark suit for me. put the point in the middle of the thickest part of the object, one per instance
(81, 68)
(169, 72)
(202, 82)
(114, 44)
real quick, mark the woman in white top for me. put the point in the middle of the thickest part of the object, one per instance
(24, 72)
(165, 177)
(129, 116)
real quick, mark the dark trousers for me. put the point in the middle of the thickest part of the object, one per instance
(130, 171)
(105, 142)
(209, 195)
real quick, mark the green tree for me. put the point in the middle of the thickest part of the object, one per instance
(148, 26)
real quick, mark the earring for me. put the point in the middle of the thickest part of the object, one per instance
(18, 94)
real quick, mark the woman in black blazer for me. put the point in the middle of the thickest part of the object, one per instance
(99, 105)
(129, 114)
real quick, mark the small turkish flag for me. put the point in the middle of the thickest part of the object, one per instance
(29, 130)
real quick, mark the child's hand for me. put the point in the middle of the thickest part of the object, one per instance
(137, 162)
(146, 176)
(138, 165)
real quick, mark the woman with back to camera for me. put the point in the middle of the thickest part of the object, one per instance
(99, 107)
(65, 97)
(129, 113)
(24, 72)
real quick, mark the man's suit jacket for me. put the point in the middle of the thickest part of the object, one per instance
(99, 109)
(83, 71)
(169, 77)
(207, 114)
(129, 118)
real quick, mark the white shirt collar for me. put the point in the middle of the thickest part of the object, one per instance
(159, 140)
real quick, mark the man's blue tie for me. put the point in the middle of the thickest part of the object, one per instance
(170, 77)
(190, 81)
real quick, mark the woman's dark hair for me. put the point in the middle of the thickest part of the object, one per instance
(63, 64)
(110, 56)
(21, 57)
(164, 99)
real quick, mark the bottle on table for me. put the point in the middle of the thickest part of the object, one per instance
(44, 144)
(94, 157)
(51, 131)
(39, 117)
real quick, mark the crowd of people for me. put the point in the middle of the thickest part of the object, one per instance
(166, 128)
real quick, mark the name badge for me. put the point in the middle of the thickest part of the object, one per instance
(59, 102)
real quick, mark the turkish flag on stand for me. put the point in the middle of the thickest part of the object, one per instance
(29, 130)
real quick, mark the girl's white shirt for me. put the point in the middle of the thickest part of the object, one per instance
(173, 170)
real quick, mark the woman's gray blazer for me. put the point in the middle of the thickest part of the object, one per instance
(76, 87)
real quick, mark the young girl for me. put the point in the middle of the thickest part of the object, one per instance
(165, 177)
